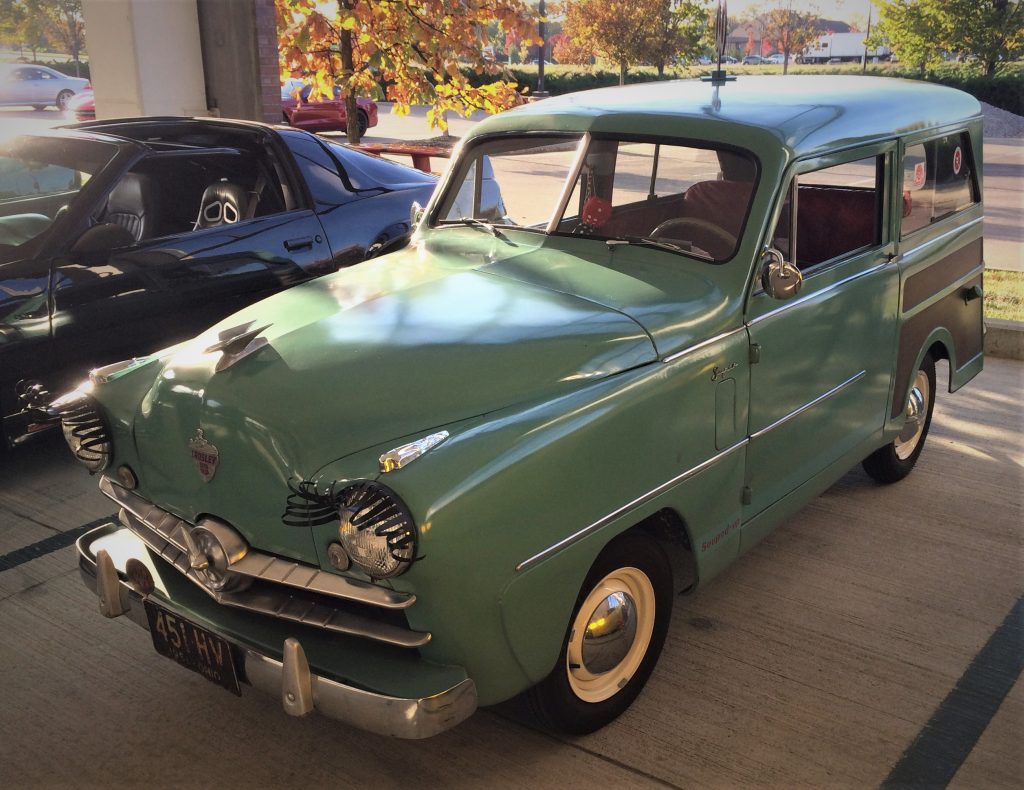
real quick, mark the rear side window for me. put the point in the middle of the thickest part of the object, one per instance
(937, 181)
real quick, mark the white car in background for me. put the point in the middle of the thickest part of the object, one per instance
(39, 86)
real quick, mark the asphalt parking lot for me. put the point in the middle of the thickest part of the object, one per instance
(875, 637)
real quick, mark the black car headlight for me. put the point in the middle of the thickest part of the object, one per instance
(85, 430)
(376, 530)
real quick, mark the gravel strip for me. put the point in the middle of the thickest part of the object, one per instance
(1000, 123)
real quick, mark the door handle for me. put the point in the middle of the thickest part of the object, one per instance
(302, 243)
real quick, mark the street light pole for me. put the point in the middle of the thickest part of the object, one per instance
(543, 42)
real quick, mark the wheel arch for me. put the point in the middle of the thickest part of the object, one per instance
(537, 604)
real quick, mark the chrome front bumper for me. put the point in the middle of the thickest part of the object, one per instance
(301, 692)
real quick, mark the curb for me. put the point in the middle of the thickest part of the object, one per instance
(1004, 338)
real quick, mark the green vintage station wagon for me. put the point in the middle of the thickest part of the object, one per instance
(636, 330)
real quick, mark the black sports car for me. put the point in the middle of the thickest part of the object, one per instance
(118, 238)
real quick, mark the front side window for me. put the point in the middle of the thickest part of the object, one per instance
(839, 212)
(682, 198)
(937, 181)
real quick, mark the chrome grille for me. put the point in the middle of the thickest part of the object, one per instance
(281, 588)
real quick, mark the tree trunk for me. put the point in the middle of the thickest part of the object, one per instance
(785, 62)
(661, 69)
(622, 72)
(990, 67)
(351, 107)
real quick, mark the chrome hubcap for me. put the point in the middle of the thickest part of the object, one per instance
(610, 634)
(915, 412)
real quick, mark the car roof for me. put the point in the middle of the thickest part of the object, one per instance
(806, 114)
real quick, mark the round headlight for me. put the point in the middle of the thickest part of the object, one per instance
(85, 431)
(377, 531)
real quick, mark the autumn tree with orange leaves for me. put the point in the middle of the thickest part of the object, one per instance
(414, 47)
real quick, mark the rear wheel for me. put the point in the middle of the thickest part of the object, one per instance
(62, 99)
(613, 641)
(38, 106)
(364, 124)
(894, 461)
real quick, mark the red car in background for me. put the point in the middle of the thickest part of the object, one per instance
(81, 107)
(313, 116)
(322, 115)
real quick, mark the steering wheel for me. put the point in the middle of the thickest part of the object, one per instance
(701, 233)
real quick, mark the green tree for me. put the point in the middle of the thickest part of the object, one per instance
(678, 31)
(64, 24)
(922, 32)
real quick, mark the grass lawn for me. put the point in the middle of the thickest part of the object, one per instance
(1004, 294)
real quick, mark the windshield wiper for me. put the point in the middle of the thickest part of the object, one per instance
(659, 244)
(473, 222)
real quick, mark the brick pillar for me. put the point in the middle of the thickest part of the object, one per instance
(269, 65)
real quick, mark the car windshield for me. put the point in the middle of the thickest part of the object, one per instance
(685, 198)
(40, 177)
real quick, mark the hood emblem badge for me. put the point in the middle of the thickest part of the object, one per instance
(205, 455)
(237, 343)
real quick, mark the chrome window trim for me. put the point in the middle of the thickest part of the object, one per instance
(644, 498)
(815, 294)
(703, 344)
(905, 241)
(570, 183)
(835, 390)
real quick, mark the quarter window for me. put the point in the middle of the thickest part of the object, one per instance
(937, 181)
(839, 211)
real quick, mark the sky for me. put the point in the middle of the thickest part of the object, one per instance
(843, 10)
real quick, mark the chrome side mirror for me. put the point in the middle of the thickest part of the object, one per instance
(415, 214)
(779, 278)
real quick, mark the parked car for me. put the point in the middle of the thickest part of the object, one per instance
(322, 115)
(488, 463)
(754, 60)
(81, 106)
(118, 238)
(38, 86)
(777, 59)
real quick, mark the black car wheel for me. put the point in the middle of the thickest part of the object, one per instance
(616, 633)
(364, 124)
(894, 461)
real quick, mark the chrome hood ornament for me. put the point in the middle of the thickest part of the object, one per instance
(237, 343)
(205, 455)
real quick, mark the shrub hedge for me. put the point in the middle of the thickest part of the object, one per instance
(1002, 90)
(68, 67)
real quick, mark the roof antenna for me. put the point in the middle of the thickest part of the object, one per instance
(718, 76)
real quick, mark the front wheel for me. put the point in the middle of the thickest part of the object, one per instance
(614, 638)
(894, 461)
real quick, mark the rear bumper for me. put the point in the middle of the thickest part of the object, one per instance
(291, 680)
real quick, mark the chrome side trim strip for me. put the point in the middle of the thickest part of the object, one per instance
(942, 236)
(806, 406)
(264, 567)
(816, 294)
(640, 500)
(702, 344)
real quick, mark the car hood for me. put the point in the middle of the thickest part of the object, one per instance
(389, 349)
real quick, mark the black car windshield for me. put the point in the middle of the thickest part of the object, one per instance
(685, 198)
(40, 177)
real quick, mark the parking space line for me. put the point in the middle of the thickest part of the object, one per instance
(47, 545)
(951, 733)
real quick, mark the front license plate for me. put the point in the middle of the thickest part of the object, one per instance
(193, 647)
